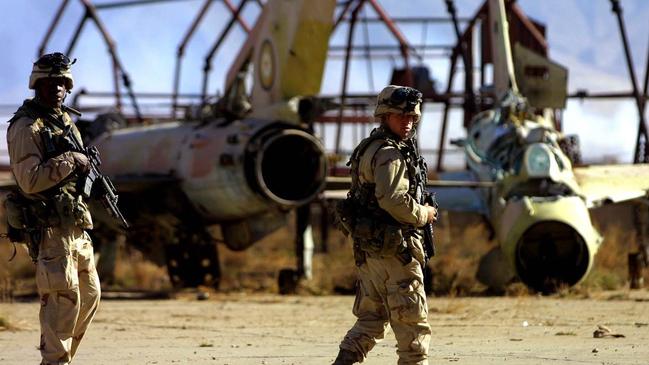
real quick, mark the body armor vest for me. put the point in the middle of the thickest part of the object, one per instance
(61, 205)
(363, 193)
(373, 229)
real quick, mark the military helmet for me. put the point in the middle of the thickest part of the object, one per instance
(399, 100)
(52, 65)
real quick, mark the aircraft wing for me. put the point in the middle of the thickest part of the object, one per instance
(607, 184)
(460, 191)
(455, 191)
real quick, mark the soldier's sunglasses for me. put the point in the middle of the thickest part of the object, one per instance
(411, 97)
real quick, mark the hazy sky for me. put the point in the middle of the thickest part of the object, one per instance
(582, 34)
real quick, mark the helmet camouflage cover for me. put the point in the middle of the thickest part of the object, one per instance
(399, 100)
(52, 65)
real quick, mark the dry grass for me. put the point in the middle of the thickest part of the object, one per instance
(460, 239)
(133, 271)
(6, 324)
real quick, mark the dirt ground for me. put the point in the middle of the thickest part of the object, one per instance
(271, 329)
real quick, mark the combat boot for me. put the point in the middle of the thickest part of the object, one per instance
(346, 357)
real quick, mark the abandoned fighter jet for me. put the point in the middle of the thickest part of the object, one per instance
(243, 170)
(538, 204)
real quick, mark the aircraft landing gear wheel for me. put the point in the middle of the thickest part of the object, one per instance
(193, 261)
(287, 281)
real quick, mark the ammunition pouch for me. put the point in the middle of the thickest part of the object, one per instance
(25, 220)
(72, 211)
(24, 213)
(377, 238)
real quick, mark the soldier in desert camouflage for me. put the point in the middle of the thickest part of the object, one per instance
(47, 172)
(385, 216)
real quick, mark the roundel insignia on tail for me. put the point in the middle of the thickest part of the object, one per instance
(266, 65)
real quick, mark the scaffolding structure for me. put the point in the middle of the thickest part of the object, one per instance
(470, 51)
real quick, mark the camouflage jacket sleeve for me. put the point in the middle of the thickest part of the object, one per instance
(32, 172)
(390, 175)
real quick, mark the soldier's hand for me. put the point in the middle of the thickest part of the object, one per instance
(432, 214)
(81, 161)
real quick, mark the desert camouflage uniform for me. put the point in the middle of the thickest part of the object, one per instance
(67, 281)
(391, 291)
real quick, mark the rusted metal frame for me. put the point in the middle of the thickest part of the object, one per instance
(77, 33)
(447, 106)
(585, 94)
(343, 95)
(403, 42)
(141, 95)
(117, 94)
(645, 89)
(240, 20)
(389, 56)
(422, 19)
(208, 59)
(468, 33)
(123, 4)
(642, 128)
(50, 30)
(368, 53)
(342, 14)
(92, 13)
(389, 47)
(528, 24)
(466, 51)
(181, 52)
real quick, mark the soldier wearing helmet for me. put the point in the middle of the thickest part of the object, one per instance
(384, 214)
(57, 217)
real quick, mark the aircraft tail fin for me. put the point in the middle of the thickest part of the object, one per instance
(287, 50)
(504, 77)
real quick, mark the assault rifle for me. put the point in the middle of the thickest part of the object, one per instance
(429, 242)
(103, 187)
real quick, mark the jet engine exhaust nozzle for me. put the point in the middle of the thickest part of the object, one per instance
(551, 255)
(289, 166)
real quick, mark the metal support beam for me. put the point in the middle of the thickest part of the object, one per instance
(76, 34)
(181, 52)
(403, 42)
(466, 51)
(342, 14)
(91, 12)
(123, 4)
(208, 59)
(50, 29)
(350, 41)
(641, 153)
(447, 106)
(304, 242)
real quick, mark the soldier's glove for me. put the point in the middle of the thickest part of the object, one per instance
(81, 161)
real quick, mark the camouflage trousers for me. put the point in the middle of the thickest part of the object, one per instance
(390, 294)
(69, 290)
